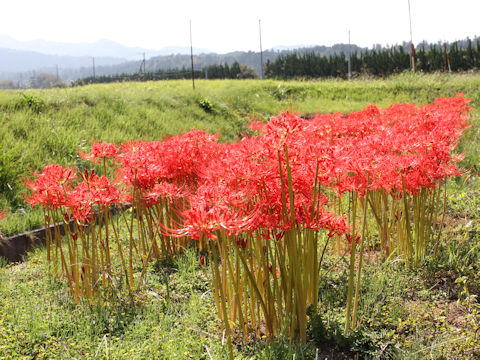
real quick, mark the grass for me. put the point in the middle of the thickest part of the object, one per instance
(149, 326)
(430, 313)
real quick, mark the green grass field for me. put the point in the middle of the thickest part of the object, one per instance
(432, 312)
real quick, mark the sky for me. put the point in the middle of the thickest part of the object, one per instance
(223, 25)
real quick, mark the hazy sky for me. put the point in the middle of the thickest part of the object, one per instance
(226, 25)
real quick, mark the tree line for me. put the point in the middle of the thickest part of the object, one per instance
(457, 56)
(220, 71)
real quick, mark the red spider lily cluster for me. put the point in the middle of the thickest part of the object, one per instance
(259, 207)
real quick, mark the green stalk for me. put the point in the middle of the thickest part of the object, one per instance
(359, 273)
(277, 294)
(254, 286)
(423, 215)
(352, 267)
(437, 242)
(72, 256)
(313, 241)
(106, 215)
(407, 217)
(48, 236)
(214, 282)
(64, 263)
(234, 278)
(316, 270)
(293, 238)
(224, 307)
(94, 255)
(122, 257)
(287, 275)
(54, 241)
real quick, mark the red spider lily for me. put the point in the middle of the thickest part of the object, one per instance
(3, 213)
(179, 160)
(93, 190)
(210, 212)
(100, 152)
(164, 191)
(349, 238)
(49, 187)
(140, 164)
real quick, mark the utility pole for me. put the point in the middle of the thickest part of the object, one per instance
(447, 58)
(142, 69)
(93, 60)
(412, 48)
(261, 51)
(191, 56)
(349, 58)
(57, 75)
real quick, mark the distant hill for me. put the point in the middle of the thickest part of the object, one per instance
(71, 68)
(100, 48)
(73, 60)
(20, 60)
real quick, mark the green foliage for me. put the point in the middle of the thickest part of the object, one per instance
(328, 334)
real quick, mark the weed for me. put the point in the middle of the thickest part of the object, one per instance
(29, 101)
(206, 105)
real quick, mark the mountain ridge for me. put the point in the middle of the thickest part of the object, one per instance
(98, 48)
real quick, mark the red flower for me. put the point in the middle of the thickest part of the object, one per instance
(93, 190)
(49, 187)
(100, 151)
